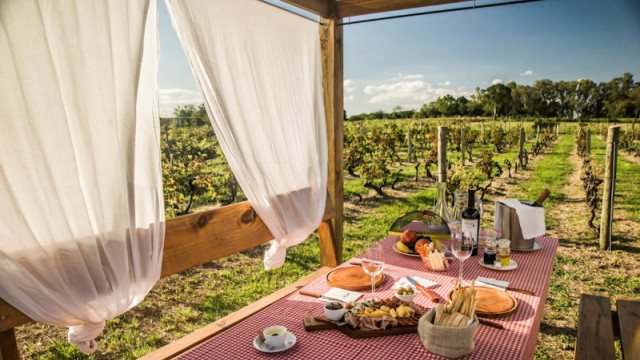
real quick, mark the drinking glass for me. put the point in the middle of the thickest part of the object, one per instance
(461, 248)
(372, 264)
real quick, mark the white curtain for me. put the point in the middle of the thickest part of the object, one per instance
(259, 70)
(81, 210)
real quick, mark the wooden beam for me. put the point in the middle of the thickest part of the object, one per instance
(193, 240)
(189, 341)
(8, 345)
(332, 83)
(11, 317)
(595, 328)
(629, 322)
(346, 8)
(318, 7)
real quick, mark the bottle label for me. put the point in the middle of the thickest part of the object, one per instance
(469, 225)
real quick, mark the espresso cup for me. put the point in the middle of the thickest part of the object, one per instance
(275, 336)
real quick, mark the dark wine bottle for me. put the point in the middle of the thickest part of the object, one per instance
(541, 198)
(471, 221)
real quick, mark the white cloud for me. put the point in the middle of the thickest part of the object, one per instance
(446, 83)
(348, 98)
(527, 73)
(349, 85)
(408, 94)
(496, 81)
(402, 76)
(172, 98)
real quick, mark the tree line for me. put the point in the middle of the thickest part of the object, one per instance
(581, 99)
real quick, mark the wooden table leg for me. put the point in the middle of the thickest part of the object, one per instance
(8, 345)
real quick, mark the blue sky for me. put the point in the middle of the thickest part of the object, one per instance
(412, 61)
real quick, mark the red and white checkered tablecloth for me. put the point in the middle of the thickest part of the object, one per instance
(516, 341)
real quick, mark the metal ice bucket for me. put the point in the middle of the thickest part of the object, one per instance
(511, 227)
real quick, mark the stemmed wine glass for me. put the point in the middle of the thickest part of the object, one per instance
(461, 248)
(372, 264)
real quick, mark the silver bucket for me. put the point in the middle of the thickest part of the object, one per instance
(510, 227)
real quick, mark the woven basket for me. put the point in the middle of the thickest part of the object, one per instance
(446, 341)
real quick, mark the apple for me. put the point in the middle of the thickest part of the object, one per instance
(409, 237)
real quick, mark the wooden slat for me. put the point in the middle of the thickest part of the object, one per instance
(332, 83)
(346, 8)
(199, 238)
(595, 329)
(8, 346)
(318, 7)
(189, 341)
(629, 318)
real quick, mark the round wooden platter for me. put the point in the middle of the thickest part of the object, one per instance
(353, 278)
(493, 303)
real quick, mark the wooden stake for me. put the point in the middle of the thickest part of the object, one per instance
(442, 154)
(462, 143)
(608, 195)
(522, 139)
(588, 142)
(409, 134)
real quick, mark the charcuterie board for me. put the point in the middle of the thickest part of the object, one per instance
(493, 303)
(321, 323)
(353, 278)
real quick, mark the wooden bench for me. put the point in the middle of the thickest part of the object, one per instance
(598, 326)
(196, 239)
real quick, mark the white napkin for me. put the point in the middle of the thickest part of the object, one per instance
(404, 282)
(492, 283)
(531, 218)
(341, 294)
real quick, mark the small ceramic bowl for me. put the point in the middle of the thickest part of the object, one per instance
(407, 298)
(275, 336)
(334, 315)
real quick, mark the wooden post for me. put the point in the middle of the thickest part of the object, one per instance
(588, 141)
(557, 130)
(442, 154)
(537, 134)
(8, 345)
(609, 186)
(521, 152)
(409, 134)
(332, 83)
(482, 129)
(462, 143)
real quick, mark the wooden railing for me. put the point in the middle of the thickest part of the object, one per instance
(190, 241)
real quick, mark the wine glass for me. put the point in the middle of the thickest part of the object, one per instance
(461, 248)
(372, 264)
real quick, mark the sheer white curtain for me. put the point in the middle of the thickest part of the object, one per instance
(81, 210)
(259, 70)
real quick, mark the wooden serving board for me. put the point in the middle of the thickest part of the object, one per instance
(493, 303)
(353, 278)
(311, 324)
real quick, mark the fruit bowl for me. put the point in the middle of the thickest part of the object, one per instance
(439, 263)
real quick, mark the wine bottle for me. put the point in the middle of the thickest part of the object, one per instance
(541, 198)
(471, 221)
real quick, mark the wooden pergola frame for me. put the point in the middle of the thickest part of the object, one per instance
(195, 239)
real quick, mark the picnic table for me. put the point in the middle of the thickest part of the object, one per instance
(516, 341)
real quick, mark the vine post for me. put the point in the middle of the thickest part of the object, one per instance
(521, 153)
(613, 137)
(557, 130)
(537, 134)
(462, 142)
(442, 154)
(588, 143)
(410, 147)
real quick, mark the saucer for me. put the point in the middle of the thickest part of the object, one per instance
(262, 346)
(512, 265)
(413, 253)
(536, 246)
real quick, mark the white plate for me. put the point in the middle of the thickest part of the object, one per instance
(512, 265)
(288, 343)
(403, 253)
(536, 246)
